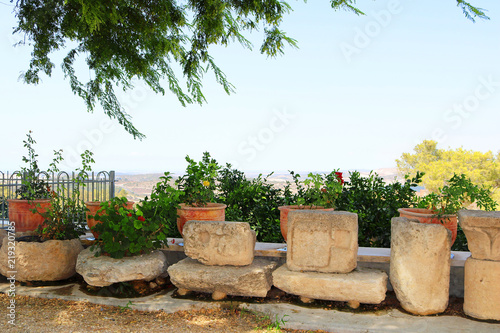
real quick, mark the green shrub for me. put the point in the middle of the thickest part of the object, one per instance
(376, 203)
(254, 201)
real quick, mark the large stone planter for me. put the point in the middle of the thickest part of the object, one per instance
(51, 260)
(103, 271)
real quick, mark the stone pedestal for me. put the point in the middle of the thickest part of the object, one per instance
(420, 265)
(252, 280)
(219, 243)
(51, 260)
(363, 285)
(321, 241)
(482, 289)
(103, 271)
(482, 230)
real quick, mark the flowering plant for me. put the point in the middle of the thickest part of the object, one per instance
(198, 184)
(320, 189)
(126, 232)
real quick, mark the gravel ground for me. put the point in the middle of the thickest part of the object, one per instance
(54, 315)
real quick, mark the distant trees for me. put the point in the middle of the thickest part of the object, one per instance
(440, 165)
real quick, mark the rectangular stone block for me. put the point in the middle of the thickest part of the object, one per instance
(219, 243)
(253, 280)
(363, 285)
(482, 230)
(482, 289)
(320, 241)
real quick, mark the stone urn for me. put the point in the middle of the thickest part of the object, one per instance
(284, 210)
(210, 212)
(51, 260)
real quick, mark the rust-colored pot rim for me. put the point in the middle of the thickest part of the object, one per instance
(26, 200)
(209, 206)
(422, 212)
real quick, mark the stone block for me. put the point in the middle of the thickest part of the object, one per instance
(252, 280)
(52, 260)
(363, 285)
(103, 271)
(321, 241)
(482, 289)
(482, 230)
(420, 265)
(219, 243)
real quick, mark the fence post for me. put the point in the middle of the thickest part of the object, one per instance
(111, 184)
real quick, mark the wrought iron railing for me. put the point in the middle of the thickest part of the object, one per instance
(99, 186)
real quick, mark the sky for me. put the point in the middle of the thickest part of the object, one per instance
(357, 93)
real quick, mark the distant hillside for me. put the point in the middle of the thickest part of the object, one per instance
(138, 186)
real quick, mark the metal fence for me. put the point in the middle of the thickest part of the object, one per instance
(99, 186)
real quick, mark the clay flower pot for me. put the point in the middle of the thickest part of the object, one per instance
(284, 210)
(93, 207)
(428, 216)
(210, 212)
(20, 213)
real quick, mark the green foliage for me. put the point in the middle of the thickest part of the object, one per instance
(376, 203)
(439, 165)
(65, 218)
(154, 41)
(319, 189)
(33, 186)
(254, 201)
(458, 193)
(162, 206)
(198, 184)
(124, 232)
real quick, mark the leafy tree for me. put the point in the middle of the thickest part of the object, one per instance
(440, 165)
(150, 40)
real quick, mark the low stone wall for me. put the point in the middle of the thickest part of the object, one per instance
(175, 254)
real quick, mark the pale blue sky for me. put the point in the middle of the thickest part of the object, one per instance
(358, 93)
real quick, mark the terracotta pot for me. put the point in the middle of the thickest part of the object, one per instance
(20, 213)
(210, 212)
(284, 210)
(428, 216)
(93, 207)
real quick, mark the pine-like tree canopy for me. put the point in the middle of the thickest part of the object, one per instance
(123, 40)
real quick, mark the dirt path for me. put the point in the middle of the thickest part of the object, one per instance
(54, 315)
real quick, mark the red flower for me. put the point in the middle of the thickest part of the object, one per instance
(129, 214)
(323, 190)
(339, 176)
(173, 241)
(141, 218)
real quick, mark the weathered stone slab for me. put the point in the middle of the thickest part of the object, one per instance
(219, 243)
(103, 271)
(420, 265)
(51, 260)
(482, 289)
(482, 230)
(363, 285)
(252, 280)
(321, 241)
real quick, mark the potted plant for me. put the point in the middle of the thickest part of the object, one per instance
(318, 191)
(97, 208)
(198, 186)
(127, 247)
(50, 254)
(441, 208)
(34, 191)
